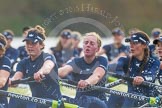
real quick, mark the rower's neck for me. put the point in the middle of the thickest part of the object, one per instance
(89, 59)
(35, 56)
(141, 56)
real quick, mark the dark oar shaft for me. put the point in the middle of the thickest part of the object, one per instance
(69, 81)
(27, 98)
(123, 94)
(25, 80)
(145, 83)
(47, 102)
(150, 100)
(115, 83)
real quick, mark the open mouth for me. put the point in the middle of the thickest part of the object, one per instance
(132, 50)
(87, 50)
(160, 52)
(30, 50)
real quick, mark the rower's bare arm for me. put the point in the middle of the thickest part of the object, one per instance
(17, 76)
(64, 71)
(3, 77)
(47, 67)
(96, 76)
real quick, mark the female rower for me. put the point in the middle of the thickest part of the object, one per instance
(88, 70)
(42, 66)
(5, 69)
(158, 43)
(140, 66)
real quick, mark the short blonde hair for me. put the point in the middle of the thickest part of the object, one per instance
(99, 42)
(156, 30)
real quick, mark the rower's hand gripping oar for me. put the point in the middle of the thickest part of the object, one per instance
(69, 81)
(154, 101)
(24, 80)
(144, 83)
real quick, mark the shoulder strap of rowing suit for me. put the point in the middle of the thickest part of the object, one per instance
(44, 55)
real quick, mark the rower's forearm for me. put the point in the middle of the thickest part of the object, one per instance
(3, 82)
(47, 67)
(17, 76)
(93, 79)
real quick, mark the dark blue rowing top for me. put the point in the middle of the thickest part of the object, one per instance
(48, 88)
(12, 54)
(5, 64)
(22, 52)
(83, 70)
(62, 56)
(160, 76)
(112, 52)
(149, 73)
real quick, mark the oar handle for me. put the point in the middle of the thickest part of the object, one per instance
(69, 81)
(25, 80)
(121, 76)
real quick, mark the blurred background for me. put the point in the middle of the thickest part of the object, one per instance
(142, 14)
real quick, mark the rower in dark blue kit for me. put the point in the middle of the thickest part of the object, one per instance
(41, 66)
(140, 66)
(158, 43)
(21, 49)
(5, 69)
(116, 49)
(63, 50)
(88, 70)
(155, 35)
(11, 52)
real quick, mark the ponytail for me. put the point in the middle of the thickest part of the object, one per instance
(145, 59)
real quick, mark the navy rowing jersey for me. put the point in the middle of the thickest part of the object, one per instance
(83, 70)
(152, 51)
(112, 52)
(22, 52)
(12, 54)
(5, 64)
(62, 56)
(160, 76)
(48, 88)
(149, 73)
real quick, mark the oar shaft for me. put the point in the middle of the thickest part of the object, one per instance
(26, 98)
(115, 83)
(46, 102)
(25, 80)
(144, 83)
(150, 100)
(123, 94)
